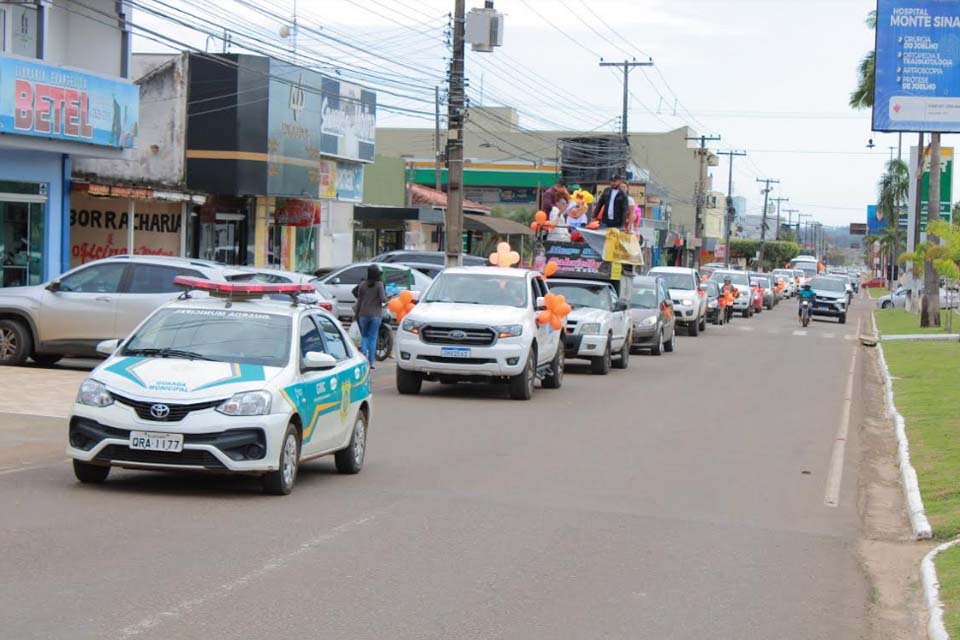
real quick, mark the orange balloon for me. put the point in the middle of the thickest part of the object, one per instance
(550, 268)
(395, 306)
(564, 310)
(556, 322)
(535, 226)
(593, 224)
(540, 216)
(544, 317)
(406, 297)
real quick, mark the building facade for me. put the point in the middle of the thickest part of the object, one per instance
(61, 100)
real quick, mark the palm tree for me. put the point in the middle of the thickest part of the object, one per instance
(862, 96)
(892, 196)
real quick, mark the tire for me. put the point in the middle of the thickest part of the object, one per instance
(384, 343)
(408, 382)
(554, 380)
(16, 343)
(90, 473)
(600, 366)
(669, 347)
(521, 385)
(46, 359)
(349, 461)
(281, 481)
(693, 329)
(657, 347)
(703, 323)
(623, 359)
(843, 318)
(805, 322)
(886, 305)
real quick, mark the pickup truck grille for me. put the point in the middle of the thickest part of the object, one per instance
(476, 337)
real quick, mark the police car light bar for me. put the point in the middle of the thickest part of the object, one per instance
(242, 288)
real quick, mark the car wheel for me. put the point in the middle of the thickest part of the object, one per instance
(600, 366)
(554, 380)
(16, 343)
(886, 304)
(657, 347)
(408, 382)
(623, 360)
(350, 460)
(703, 323)
(90, 473)
(672, 344)
(693, 329)
(46, 359)
(843, 318)
(521, 385)
(281, 481)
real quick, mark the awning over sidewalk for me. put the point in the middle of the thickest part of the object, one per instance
(475, 222)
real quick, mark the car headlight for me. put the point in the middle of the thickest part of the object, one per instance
(686, 303)
(412, 326)
(649, 321)
(94, 394)
(249, 403)
(508, 330)
(743, 293)
(590, 328)
(712, 304)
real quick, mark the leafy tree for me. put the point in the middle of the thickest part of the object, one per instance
(862, 96)
(945, 257)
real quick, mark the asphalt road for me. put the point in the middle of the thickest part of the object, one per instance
(683, 498)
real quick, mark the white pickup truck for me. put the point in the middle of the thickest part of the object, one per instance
(479, 324)
(599, 327)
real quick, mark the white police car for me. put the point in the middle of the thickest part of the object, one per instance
(236, 382)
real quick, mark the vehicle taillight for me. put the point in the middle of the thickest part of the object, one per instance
(326, 305)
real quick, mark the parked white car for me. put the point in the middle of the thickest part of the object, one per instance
(599, 327)
(898, 299)
(240, 384)
(340, 283)
(689, 302)
(479, 324)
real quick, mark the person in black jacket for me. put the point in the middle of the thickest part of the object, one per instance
(612, 205)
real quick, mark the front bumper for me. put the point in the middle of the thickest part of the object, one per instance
(686, 315)
(644, 336)
(506, 357)
(742, 303)
(211, 441)
(833, 309)
(584, 345)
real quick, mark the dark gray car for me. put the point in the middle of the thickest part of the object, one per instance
(651, 310)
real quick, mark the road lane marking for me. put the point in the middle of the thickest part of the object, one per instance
(800, 332)
(829, 335)
(225, 590)
(9, 470)
(835, 475)
(745, 328)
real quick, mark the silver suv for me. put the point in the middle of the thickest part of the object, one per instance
(100, 300)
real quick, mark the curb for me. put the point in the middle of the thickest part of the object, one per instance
(931, 593)
(908, 475)
(923, 337)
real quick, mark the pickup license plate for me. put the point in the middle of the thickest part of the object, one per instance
(455, 352)
(147, 441)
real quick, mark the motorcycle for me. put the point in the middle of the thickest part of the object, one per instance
(805, 313)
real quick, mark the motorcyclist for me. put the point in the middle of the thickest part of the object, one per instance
(806, 293)
(728, 293)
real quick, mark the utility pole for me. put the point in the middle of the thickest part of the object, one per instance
(453, 223)
(628, 66)
(701, 194)
(790, 213)
(777, 230)
(436, 140)
(763, 225)
(731, 210)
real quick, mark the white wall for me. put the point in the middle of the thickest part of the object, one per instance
(84, 38)
(336, 237)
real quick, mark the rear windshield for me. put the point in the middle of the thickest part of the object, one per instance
(644, 298)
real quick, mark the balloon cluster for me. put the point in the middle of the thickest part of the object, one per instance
(540, 222)
(557, 309)
(504, 257)
(401, 305)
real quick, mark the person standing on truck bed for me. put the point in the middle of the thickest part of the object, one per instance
(612, 205)
(553, 195)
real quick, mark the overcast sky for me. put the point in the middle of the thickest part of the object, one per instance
(771, 77)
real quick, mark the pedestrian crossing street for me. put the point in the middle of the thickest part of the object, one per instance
(810, 332)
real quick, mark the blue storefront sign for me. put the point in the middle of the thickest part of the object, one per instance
(62, 104)
(349, 181)
(917, 66)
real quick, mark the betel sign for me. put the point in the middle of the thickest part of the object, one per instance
(62, 104)
(917, 66)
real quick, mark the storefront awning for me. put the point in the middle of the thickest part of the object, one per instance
(476, 222)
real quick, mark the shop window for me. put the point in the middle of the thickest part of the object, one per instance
(157, 278)
(21, 240)
(101, 278)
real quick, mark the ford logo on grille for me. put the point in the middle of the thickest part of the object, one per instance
(458, 335)
(159, 411)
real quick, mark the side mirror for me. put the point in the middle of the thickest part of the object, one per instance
(620, 305)
(541, 303)
(317, 360)
(416, 295)
(54, 285)
(107, 347)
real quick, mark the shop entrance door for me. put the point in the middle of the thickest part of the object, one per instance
(22, 208)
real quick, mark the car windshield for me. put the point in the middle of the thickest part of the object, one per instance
(644, 298)
(478, 288)
(736, 278)
(828, 284)
(221, 335)
(677, 280)
(593, 296)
